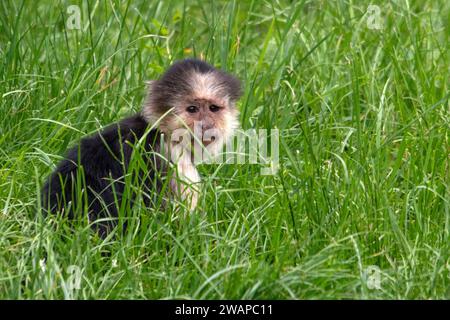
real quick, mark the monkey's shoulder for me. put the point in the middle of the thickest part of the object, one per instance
(114, 142)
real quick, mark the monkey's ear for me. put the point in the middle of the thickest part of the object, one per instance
(235, 88)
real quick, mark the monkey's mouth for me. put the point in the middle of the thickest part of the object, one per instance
(204, 141)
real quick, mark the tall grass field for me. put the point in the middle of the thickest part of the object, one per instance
(359, 207)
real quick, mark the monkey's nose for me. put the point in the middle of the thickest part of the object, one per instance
(206, 125)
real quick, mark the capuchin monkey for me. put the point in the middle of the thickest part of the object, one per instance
(191, 97)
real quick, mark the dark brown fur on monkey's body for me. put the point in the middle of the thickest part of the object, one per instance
(103, 158)
(191, 90)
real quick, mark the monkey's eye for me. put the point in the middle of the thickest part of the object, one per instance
(214, 108)
(192, 109)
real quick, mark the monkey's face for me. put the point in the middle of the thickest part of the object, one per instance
(194, 97)
(205, 115)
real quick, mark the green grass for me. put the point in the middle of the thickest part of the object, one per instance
(364, 153)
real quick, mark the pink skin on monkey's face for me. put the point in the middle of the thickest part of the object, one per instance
(206, 114)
